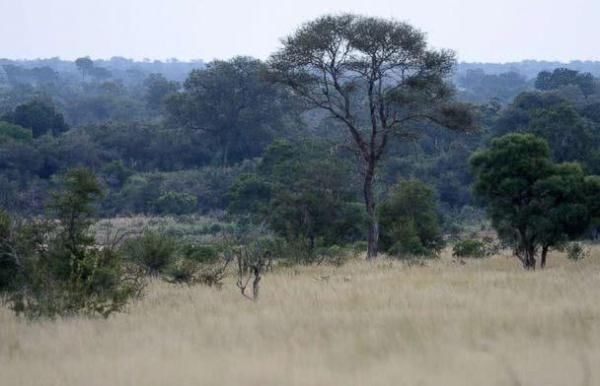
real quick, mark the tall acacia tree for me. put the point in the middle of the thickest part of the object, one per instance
(375, 76)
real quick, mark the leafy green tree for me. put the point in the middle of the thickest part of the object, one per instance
(39, 116)
(84, 65)
(409, 220)
(230, 102)
(73, 208)
(375, 77)
(561, 77)
(477, 86)
(302, 194)
(176, 203)
(154, 251)
(592, 192)
(9, 261)
(552, 118)
(250, 194)
(157, 87)
(64, 272)
(534, 204)
(99, 73)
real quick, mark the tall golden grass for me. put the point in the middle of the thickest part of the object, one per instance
(487, 322)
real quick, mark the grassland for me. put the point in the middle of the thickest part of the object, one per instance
(485, 322)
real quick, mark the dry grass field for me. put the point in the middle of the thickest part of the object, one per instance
(483, 323)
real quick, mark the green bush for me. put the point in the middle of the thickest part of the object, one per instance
(215, 228)
(334, 254)
(200, 253)
(176, 203)
(97, 283)
(61, 270)
(182, 271)
(409, 246)
(360, 246)
(409, 221)
(154, 251)
(14, 132)
(8, 264)
(576, 251)
(469, 248)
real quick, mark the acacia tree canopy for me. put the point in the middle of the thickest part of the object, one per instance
(377, 77)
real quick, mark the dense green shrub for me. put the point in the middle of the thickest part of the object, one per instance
(176, 203)
(182, 271)
(61, 270)
(154, 251)
(200, 253)
(303, 194)
(409, 220)
(469, 248)
(9, 269)
(334, 254)
(576, 251)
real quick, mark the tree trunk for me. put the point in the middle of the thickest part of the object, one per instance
(529, 262)
(256, 284)
(373, 237)
(544, 254)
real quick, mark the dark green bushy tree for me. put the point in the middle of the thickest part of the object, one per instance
(534, 204)
(84, 65)
(9, 260)
(62, 270)
(232, 105)
(562, 77)
(38, 115)
(157, 87)
(154, 251)
(302, 194)
(409, 220)
(552, 118)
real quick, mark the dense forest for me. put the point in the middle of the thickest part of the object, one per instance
(174, 137)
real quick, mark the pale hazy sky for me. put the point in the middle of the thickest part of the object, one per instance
(479, 30)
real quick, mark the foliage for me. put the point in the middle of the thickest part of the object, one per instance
(154, 251)
(409, 220)
(533, 203)
(159, 146)
(469, 248)
(84, 64)
(9, 264)
(302, 194)
(576, 251)
(38, 115)
(562, 77)
(200, 253)
(552, 118)
(377, 78)
(14, 132)
(176, 203)
(232, 105)
(61, 269)
(157, 89)
(477, 86)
